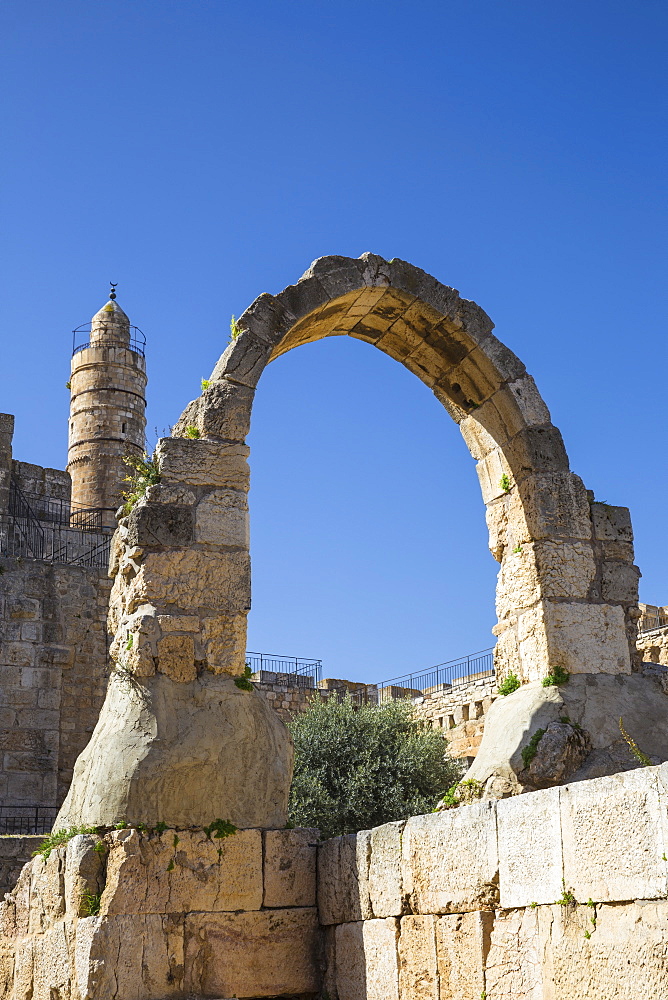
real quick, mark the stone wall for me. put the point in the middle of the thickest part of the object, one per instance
(653, 646)
(552, 895)
(52, 674)
(15, 852)
(179, 914)
(458, 711)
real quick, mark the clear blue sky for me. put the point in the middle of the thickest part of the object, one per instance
(200, 153)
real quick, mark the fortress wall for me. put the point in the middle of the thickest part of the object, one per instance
(52, 674)
(550, 895)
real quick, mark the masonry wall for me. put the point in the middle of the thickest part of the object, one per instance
(551, 895)
(52, 674)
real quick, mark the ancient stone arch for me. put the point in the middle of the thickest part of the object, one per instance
(564, 595)
(567, 587)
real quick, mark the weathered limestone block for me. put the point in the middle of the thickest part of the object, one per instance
(343, 878)
(203, 463)
(620, 582)
(449, 860)
(625, 956)
(178, 872)
(224, 642)
(222, 411)
(191, 579)
(462, 944)
(267, 953)
(367, 961)
(614, 838)
(129, 957)
(84, 873)
(561, 752)
(611, 524)
(567, 569)
(529, 844)
(155, 524)
(176, 658)
(222, 519)
(581, 638)
(385, 887)
(183, 754)
(47, 890)
(418, 966)
(513, 966)
(290, 867)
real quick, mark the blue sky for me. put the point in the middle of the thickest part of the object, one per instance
(200, 153)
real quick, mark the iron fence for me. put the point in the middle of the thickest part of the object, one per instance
(81, 340)
(294, 670)
(474, 666)
(25, 538)
(27, 819)
(54, 510)
(650, 624)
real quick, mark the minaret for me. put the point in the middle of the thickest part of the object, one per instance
(107, 409)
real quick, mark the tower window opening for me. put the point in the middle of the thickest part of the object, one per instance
(123, 429)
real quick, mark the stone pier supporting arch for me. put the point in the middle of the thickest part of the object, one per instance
(567, 586)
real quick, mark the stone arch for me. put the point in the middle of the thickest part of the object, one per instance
(567, 587)
(178, 739)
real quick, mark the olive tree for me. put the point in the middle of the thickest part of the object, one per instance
(356, 768)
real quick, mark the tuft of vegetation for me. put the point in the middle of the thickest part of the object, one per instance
(68, 385)
(60, 837)
(171, 866)
(145, 473)
(192, 432)
(517, 549)
(557, 677)
(160, 827)
(533, 905)
(220, 828)
(461, 794)
(633, 746)
(530, 750)
(509, 684)
(90, 903)
(206, 382)
(567, 897)
(357, 768)
(176, 840)
(505, 483)
(244, 682)
(235, 329)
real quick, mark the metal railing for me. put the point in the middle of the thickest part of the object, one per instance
(81, 340)
(650, 624)
(55, 510)
(27, 819)
(294, 670)
(474, 666)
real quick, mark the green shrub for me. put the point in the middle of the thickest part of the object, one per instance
(145, 473)
(192, 432)
(557, 677)
(509, 684)
(359, 768)
(244, 682)
(60, 837)
(206, 382)
(530, 750)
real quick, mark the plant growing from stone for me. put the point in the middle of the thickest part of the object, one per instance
(60, 837)
(356, 768)
(461, 794)
(206, 382)
(633, 746)
(505, 483)
(145, 473)
(530, 750)
(90, 903)
(244, 682)
(220, 828)
(235, 329)
(557, 677)
(192, 432)
(509, 684)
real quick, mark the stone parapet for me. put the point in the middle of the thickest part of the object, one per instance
(154, 916)
(15, 852)
(535, 896)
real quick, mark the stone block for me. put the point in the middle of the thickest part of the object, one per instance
(581, 638)
(243, 360)
(565, 569)
(449, 859)
(225, 410)
(203, 463)
(620, 582)
(553, 505)
(268, 953)
(536, 450)
(529, 844)
(343, 878)
(129, 957)
(614, 838)
(158, 524)
(367, 961)
(611, 524)
(222, 519)
(190, 579)
(176, 657)
(514, 962)
(289, 867)
(224, 641)
(462, 942)
(385, 887)
(418, 966)
(179, 872)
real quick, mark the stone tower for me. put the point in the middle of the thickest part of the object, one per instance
(107, 409)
